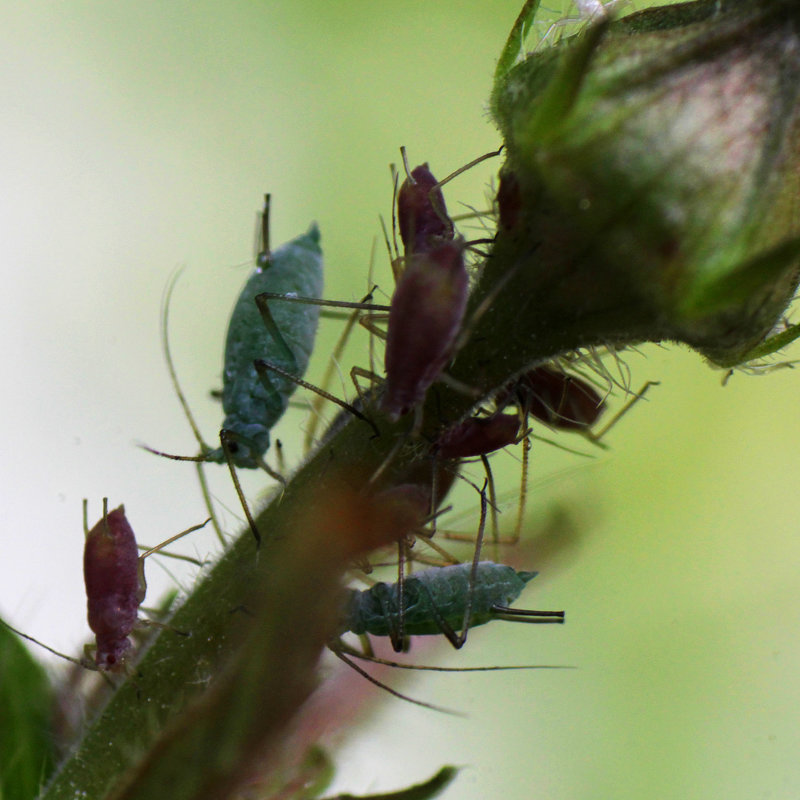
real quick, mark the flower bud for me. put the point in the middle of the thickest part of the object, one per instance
(651, 185)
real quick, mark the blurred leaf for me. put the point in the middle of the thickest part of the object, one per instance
(420, 791)
(26, 752)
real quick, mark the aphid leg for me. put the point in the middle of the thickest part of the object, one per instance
(264, 368)
(492, 498)
(596, 436)
(337, 650)
(151, 551)
(523, 488)
(333, 363)
(225, 438)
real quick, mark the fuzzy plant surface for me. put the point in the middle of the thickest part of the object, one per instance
(648, 193)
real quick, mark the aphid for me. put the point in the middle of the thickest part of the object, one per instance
(478, 436)
(113, 573)
(427, 311)
(441, 599)
(561, 401)
(254, 400)
(284, 336)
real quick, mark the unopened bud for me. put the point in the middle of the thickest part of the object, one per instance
(651, 186)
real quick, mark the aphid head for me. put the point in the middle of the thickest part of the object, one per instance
(244, 445)
(110, 656)
(421, 212)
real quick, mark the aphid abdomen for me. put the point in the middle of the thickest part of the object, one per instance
(110, 571)
(562, 401)
(478, 436)
(377, 610)
(252, 408)
(422, 214)
(425, 319)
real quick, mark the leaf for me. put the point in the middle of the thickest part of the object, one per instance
(26, 701)
(420, 791)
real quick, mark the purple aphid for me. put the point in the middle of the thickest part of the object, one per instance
(114, 588)
(421, 212)
(559, 400)
(425, 319)
(478, 436)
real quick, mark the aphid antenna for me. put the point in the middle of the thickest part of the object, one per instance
(468, 166)
(473, 213)
(173, 375)
(394, 259)
(375, 682)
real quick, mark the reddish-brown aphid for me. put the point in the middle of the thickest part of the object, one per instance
(478, 436)
(509, 200)
(421, 212)
(114, 586)
(425, 319)
(562, 401)
(113, 572)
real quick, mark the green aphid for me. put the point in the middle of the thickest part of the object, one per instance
(266, 354)
(442, 600)
(283, 336)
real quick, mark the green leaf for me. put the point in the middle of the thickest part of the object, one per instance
(26, 701)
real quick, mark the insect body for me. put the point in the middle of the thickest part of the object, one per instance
(435, 600)
(254, 398)
(113, 573)
(114, 586)
(425, 319)
(478, 436)
(283, 335)
(559, 400)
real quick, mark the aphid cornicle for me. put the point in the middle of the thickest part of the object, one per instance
(435, 601)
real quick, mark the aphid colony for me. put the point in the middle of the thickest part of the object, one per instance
(268, 345)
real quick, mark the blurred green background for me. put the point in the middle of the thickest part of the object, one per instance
(138, 137)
